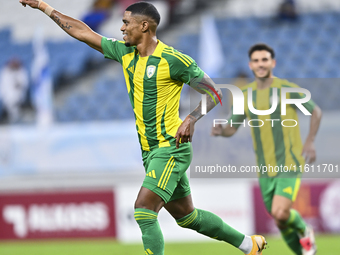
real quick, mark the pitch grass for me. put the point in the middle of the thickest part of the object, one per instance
(327, 245)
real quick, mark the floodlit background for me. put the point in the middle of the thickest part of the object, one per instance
(70, 162)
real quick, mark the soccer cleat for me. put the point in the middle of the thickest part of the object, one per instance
(307, 242)
(259, 243)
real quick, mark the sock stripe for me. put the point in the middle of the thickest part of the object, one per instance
(144, 218)
(189, 220)
(144, 213)
(291, 217)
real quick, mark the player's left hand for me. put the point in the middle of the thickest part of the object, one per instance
(309, 152)
(185, 131)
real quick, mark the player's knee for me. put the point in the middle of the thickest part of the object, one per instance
(142, 203)
(189, 221)
(280, 215)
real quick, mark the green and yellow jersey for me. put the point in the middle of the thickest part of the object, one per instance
(154, 84)
(274, 144)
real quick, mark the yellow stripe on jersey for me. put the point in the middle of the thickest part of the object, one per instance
(126, 61)
(185, 57)
(182, 56)
(178, 57)
(172, 120)
(266, 131)
(162, 99)
(292, 136)
(138, 80)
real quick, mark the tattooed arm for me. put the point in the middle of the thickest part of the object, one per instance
(75, 28)
(207, 87)
(213, 97)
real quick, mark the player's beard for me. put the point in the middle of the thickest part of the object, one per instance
(264, 77)
(127, 44)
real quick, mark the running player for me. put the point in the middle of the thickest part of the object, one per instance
(276, 145)
(154, 74)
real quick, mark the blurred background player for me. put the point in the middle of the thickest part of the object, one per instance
(155, 74)
(276, 145)
(13, 88)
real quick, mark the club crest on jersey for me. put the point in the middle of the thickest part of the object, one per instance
(150, 71)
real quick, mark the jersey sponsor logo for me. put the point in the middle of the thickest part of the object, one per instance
(111, 39)
(288, 190)
(151, 174)
(150, 71)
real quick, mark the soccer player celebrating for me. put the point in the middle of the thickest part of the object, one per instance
(276, 145)
(155, 74)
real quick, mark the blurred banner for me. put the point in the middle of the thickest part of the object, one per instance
(74, 148)
(318, 203)
(57, 215)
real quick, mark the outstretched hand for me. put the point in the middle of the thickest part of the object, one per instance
(309, 152)
(217, 130)
(32, 3)
(185, 131)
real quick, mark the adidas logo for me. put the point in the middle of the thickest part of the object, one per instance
(151, 174)
(288, 190)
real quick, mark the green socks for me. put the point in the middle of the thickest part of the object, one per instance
(203, 222)
(151, 232)
(292, 240)
(211, 225)
(295, 227)
(296, 222)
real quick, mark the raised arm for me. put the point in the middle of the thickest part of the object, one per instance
(213, 97)
(75, 28)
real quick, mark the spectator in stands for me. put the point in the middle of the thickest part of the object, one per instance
(98, 14)
(13, 87)
(287, 11)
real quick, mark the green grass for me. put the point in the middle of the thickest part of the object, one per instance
(327, 245)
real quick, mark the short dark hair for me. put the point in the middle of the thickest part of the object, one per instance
(261, 46)
(144, 8)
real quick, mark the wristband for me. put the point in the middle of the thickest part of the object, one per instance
(45, 7)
